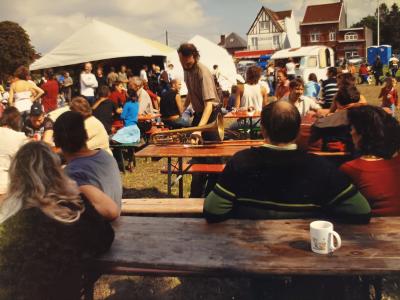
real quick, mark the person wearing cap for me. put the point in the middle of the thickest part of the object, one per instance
(39, 127)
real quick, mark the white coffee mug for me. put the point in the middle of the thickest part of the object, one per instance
(322, 237)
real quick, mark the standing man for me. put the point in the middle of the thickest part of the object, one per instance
(88, 83)
(122, 77)
(203, 96)
(112, 77)
(394, 65)
(377, 68)
(143, 73)
(329, 87)
(291, 69)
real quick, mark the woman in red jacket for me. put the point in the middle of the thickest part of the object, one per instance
(376, 173)
(51, 89)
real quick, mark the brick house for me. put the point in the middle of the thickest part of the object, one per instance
(273, 30)
(326, 24)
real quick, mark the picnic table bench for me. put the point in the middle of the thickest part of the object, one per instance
(247, 248)
(167, 207)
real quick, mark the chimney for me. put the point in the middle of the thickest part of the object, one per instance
(222, 42)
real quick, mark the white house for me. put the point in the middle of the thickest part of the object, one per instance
(273, 30)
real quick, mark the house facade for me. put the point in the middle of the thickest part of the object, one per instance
(353, 41)
(273, 31)
(232, 42)
(326, 24)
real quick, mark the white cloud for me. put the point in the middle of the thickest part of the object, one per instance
(48, 24)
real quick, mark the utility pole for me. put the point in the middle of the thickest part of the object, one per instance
(166, 36)
(379, 21)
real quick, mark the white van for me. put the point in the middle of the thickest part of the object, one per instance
(310, 59)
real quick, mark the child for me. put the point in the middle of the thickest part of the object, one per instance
(389, 95)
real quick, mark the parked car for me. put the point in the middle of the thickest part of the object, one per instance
(356, 60)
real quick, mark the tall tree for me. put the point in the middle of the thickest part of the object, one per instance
(15, 48)
(389, 22)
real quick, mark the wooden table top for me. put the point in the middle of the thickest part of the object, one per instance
(224, 149)
(242, 114)
(249, 248)
(142, 118)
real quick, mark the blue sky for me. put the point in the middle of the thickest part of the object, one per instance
(49, 24)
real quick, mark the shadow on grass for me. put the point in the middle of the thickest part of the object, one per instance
(144, 193)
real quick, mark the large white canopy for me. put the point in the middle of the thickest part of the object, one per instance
(97, 41)
(210, 54)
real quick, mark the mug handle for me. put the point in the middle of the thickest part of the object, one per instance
(338, 240)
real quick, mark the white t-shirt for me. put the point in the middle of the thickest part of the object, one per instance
(291, 68)
(88, 84)
(304, 104)
(143, 74)
(11, 141)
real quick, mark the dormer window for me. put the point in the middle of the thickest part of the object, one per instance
(351, 36)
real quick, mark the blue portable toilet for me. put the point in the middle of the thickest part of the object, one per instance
(385, 52)
(372, 52)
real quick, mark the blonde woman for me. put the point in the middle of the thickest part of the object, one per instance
(23, 92)
(45, 229)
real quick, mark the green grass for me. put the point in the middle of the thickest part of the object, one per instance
(146, 182)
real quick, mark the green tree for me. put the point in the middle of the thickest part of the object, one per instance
(389, 23)
(15, 48)
(370, 22)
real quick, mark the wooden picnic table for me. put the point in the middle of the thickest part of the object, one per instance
(188, 246)
(246, 116)
(179, 151)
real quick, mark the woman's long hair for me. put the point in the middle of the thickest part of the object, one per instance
(37, 180)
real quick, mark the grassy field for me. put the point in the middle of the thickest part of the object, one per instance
(146, 181)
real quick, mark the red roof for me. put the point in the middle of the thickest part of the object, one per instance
(322, 13)
(280, 15)
(252, 53)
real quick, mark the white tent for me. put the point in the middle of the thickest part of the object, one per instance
(97, 41)
(210, 54)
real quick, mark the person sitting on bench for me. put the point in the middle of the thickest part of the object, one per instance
(277, 180)
(95, 171)
(47, 229)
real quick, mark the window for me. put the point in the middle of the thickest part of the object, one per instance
(332, 36)
(351, 36)
(315, 37)
(264, 26)
(275, 40)
(254, 43)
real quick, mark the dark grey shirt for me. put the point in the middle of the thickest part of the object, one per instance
(100, 170)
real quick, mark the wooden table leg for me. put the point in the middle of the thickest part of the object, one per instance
(180, 165)
(169, 183)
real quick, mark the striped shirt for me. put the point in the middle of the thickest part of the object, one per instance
(283, 182)
(329, 90)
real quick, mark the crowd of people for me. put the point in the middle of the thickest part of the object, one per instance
(72, 207)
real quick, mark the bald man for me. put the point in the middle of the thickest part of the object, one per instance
(277, 180)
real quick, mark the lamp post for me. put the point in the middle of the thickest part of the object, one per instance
(379, 21)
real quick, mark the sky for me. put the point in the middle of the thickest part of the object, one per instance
(50, 22)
